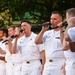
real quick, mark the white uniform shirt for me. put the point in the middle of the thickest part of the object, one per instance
(8, 56)
(29, 50)
(16, 57)
(71, 33)
(53, 45)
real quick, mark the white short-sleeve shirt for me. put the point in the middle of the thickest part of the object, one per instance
(71, 33)
(8, 56)
(16, 57)
(30, 50)
(52, 43)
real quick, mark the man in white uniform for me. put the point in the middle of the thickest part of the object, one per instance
(31, 53)
(69, 55)
(8, 57)
(16, 54)
(53, 47)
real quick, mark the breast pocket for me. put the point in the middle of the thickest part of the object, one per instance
(48, 38)
(31, 47)
(57, 37)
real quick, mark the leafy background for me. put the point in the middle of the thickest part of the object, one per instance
(37, 11)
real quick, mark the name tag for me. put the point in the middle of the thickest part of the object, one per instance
(57, 37)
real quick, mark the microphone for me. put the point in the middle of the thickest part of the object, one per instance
(21, 30)
(13, 36)
(55, 27)
(63, 24)
(45, 24)
(4, 41)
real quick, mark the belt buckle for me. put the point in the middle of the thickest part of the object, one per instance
(50, 60)
(28, 62)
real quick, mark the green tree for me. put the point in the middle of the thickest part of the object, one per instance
(37, 9)
(5, 16)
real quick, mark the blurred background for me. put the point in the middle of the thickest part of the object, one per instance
(36, 11)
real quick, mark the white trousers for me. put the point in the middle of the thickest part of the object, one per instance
(17, 67)
(53, 68)
(32, 68)
(9, 68)
(53, 72)
(31, 72)
(70, 68)
(2, 67)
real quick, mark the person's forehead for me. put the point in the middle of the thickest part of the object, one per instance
(55, 15)
(10, 29)
(24, 23)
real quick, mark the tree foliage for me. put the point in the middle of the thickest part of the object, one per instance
(5, 19)
(37, 9)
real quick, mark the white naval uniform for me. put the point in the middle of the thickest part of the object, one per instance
(17, 62)
(2, 62)
(30, 54)
(71, 33)
(54, 53)
(70, 62)
(9, 65)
